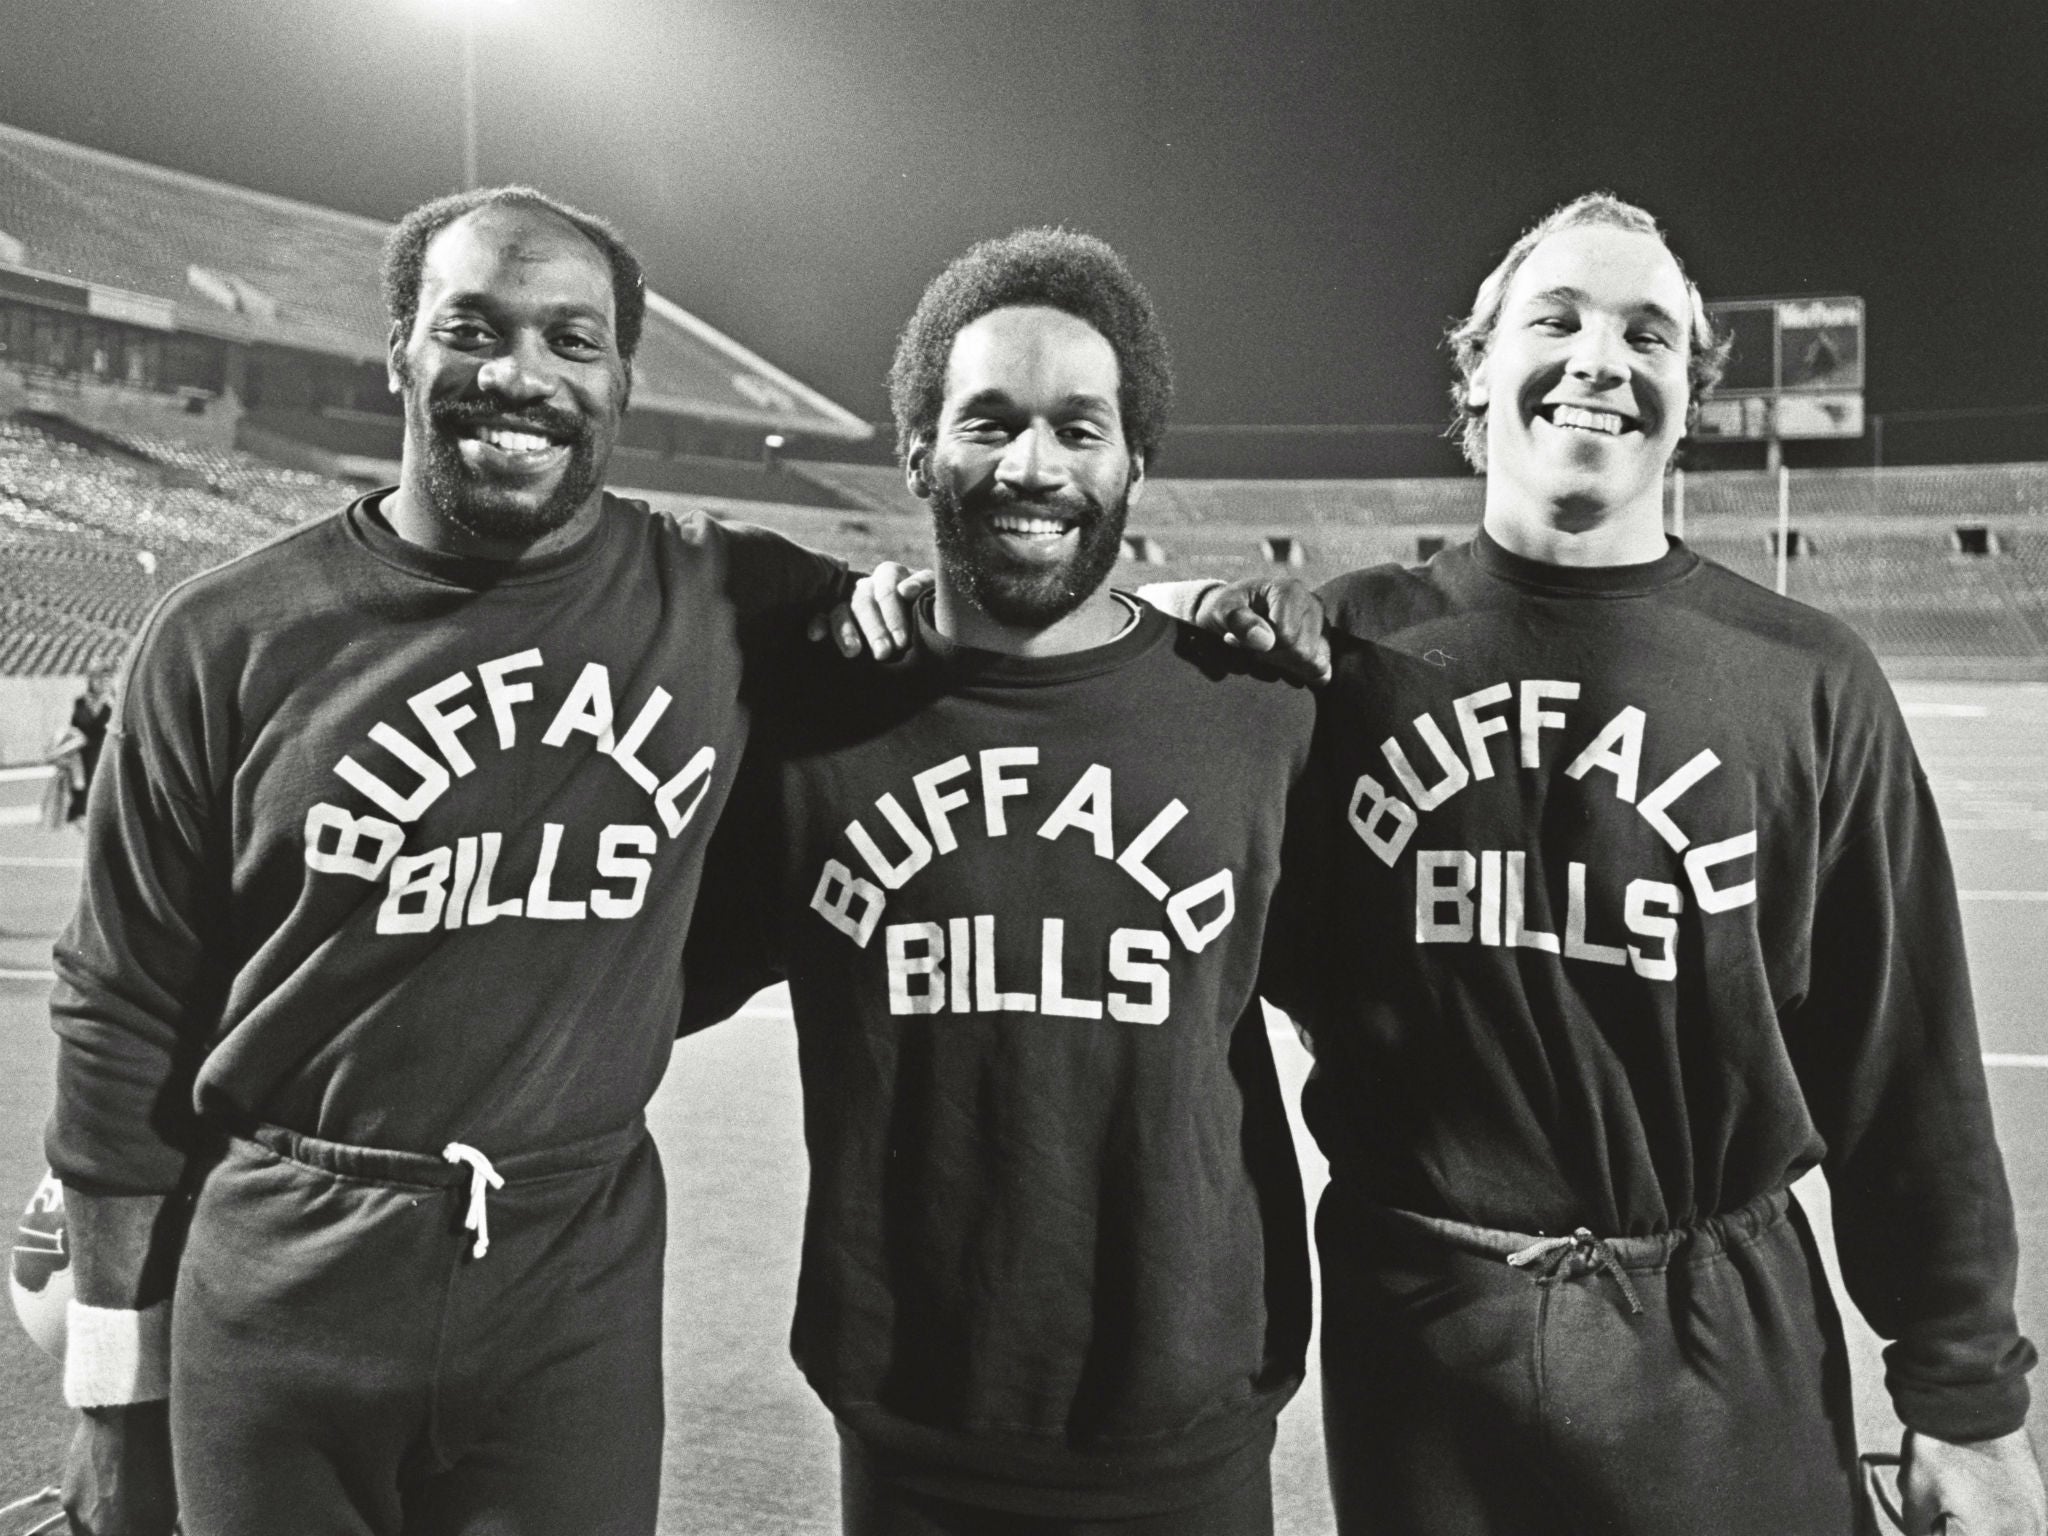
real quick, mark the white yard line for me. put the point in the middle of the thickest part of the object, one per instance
(2013, 1059)
(2002, 895)
(1912, 707)
(38, 861)
(16, 973)
(32, 771)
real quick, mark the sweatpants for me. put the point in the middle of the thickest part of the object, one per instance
(871, 1504)
(1465, 1396)
(344, 1363)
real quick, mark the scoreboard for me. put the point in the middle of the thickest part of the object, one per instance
(1795, 370)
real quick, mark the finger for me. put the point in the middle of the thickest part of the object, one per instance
(915, 585)
(849, 635)
(1296, 614)
(1251, 630)
(870, 624)
(1310, 661)
(895, 609)
(1311, 664)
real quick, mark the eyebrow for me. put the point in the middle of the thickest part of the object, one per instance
(995, 397)
(1569, 295)
(483, 299)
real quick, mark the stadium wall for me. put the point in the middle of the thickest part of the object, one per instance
(203, 420)
(33, 711)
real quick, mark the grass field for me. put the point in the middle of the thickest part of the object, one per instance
(749, 1449)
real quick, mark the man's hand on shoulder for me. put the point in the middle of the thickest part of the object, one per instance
(1277, 616)
(876, 620)
(1972, 1488)
(117, 1476)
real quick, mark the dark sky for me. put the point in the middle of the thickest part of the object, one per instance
(1311, 190)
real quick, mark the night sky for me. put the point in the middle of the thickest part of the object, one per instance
(1311, 190)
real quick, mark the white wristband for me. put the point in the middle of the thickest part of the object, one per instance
(114, 1357)
(1181, 599)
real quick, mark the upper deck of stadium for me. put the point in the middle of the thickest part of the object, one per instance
(136, 245)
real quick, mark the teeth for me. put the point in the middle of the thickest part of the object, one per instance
(514, 442)
(1037, 527)
(1591, 421)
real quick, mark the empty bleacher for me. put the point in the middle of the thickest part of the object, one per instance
(95, 525)
(723, 479)
(50, 481)
(871, 487)
(1948, 564)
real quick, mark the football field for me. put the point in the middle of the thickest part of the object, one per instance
(749, 1449)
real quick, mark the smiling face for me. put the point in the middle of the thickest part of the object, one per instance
(512, 380)
(1027, 470)
(1584, 383)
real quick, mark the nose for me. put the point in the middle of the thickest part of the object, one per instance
(1599, 356)
(518, 372)
(1032, 461)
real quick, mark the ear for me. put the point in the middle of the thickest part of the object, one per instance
(394, 360)
(915, 465)
(1137, 479)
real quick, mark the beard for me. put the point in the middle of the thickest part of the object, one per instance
(476, 504)
(1022, 594)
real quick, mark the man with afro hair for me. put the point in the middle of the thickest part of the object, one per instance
(1054, 1274)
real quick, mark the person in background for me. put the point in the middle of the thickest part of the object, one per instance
(90, 712)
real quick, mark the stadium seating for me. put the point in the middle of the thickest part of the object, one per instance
(873, 487)
(726, 479)
(1949, 563)
(94, 525)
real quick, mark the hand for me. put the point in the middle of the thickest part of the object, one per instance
(877, 618)
(1972, 1488)
(117, 1477)
(1272, 614)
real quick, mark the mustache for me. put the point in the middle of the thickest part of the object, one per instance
(547, 420)
(1074, 503)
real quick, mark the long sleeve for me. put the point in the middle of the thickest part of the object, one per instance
(733, 950)
(1304, 963)
(1887, 1048)
(139, 969)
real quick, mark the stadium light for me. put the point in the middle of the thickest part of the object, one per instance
(466, 12)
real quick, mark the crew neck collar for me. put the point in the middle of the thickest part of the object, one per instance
(367, 525)
(1146, 628)
(1674, 565)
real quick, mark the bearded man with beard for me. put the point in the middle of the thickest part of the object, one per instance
(1054, 1274)
(400, 821)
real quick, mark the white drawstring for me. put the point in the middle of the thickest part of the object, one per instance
(482, 1177)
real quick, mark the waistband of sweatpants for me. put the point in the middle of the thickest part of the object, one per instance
(382, 1165)
(1702, 1239)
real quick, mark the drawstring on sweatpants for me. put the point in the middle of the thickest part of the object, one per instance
(483, 1177)
(1594, 1250)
